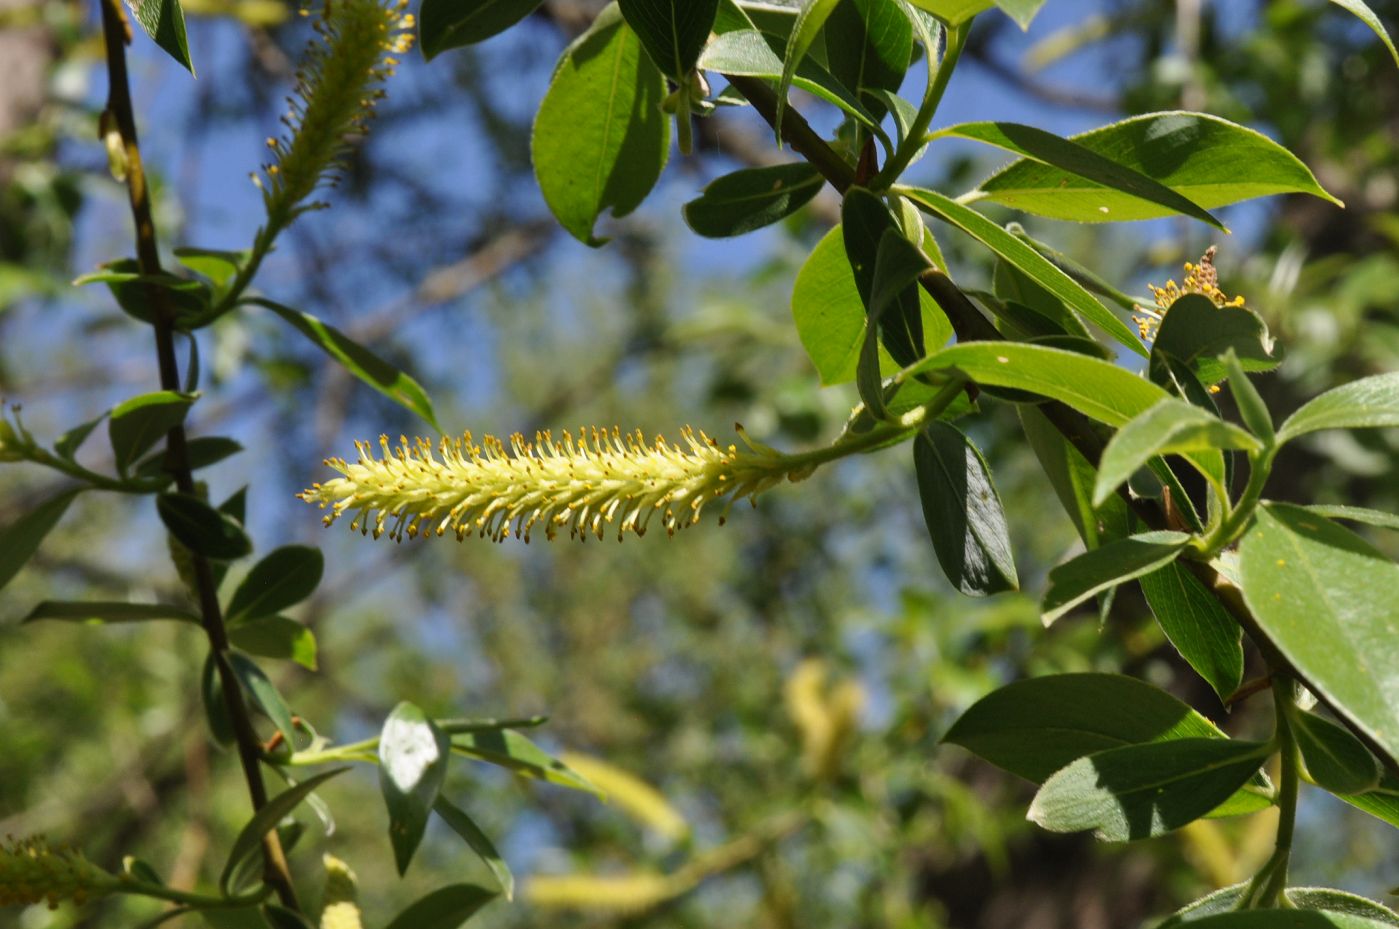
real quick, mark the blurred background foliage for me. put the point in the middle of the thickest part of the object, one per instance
(782, 681)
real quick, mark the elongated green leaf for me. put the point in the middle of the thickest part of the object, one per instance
(20, 540)
(1035, 266)
(672, 31)
(1114, 563)
(202, 529)
(810, 20)
(215, 709)
(746, 53)
(1288, 919)
(514, 752)
(279, 917)
(1226, 900)
(445, 908)
(266, 819)
(600, 139)
(1096, 388)
(1325, 599)
(1080, 161)
(200, 452)
(446, 24)
(1171, 427)
(464, 826)
(1196, 332)
(1199, 627)
(1036, 726)
(1145, 790)
(869, 44)
(1051, 317)
(955, 12)
(886, 272)
(1368, 403)
(1335, 759)
(1368, 17)
(830, 315)
(413, 755)
(963, 512)
(283, 578)
(752, 198)
(135, 425)
(276, 637)
(1252, 410)
(99, 611)
(164, 22)
(1208, 160)
(69, 443)
(1356, 514)
(358, 360)
(264, 694)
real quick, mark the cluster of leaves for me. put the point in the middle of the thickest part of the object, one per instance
(875, 304)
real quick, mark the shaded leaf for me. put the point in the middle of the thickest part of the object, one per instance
(1196, 332)
(200, 452)
(445, 908)
(136, 425)
(1197, 625)
(1382, 802)
(97, 611)
(869, 45)
(276, 637)
(1336, 760)
(673, 31)
(752, 198)
(21, 539)
(1102, 568)
(164, 22)
(264, 694)
(445, 24)
(283, 578)
(201, 528)
(464, 826)
(250, 837)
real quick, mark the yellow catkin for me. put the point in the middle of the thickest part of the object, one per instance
(624, 893)
(825, 716)
(588, 484)
(340, 907)
(336, 89)
(32, 872)
(1201, 278)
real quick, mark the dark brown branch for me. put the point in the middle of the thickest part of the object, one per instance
(276, 872)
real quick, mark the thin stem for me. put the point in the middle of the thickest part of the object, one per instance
(914, 140)
(1266, 888)
(276, 873)
(92, 478)
(1260, 466)
(200, 901)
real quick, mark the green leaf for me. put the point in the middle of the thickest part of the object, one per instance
(1382, 802)
(264, 695)
(746, 53)
(446, 24)
(889, 291)
(752, 198)
(1324, 598)
(830, 315)
(1096, 388)
(1140, 791)
(1036, 726)
(276, 637)
(1356, 514)
(69, 443)
(98, 611)
(1106, 567)
(1336, 760)
(137, 424)
(20, 540)
(1368, 17)
(955, 12)
(215, 709)
(1208, 160)
(1072, 477)
(1368, 403)
(164, 21)
(464, 826)
(810, 20)
(963, 512)
(445, 908)
(1288, 919)
(279, 917)
(413, 756)
(1080, 161)
(514, 752)
(219, 267)
(1026, 259)
(1252, 410)
(202, 529)
(284, 578)
(266, 819)
(132, 290)
(1197, 625)
(358, 360)
(600, 139)
(200, 452)
(1171, 427)
(869, 45)
(672, 31)
(1048, 315)
(1226, 900)
(1196, 332)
